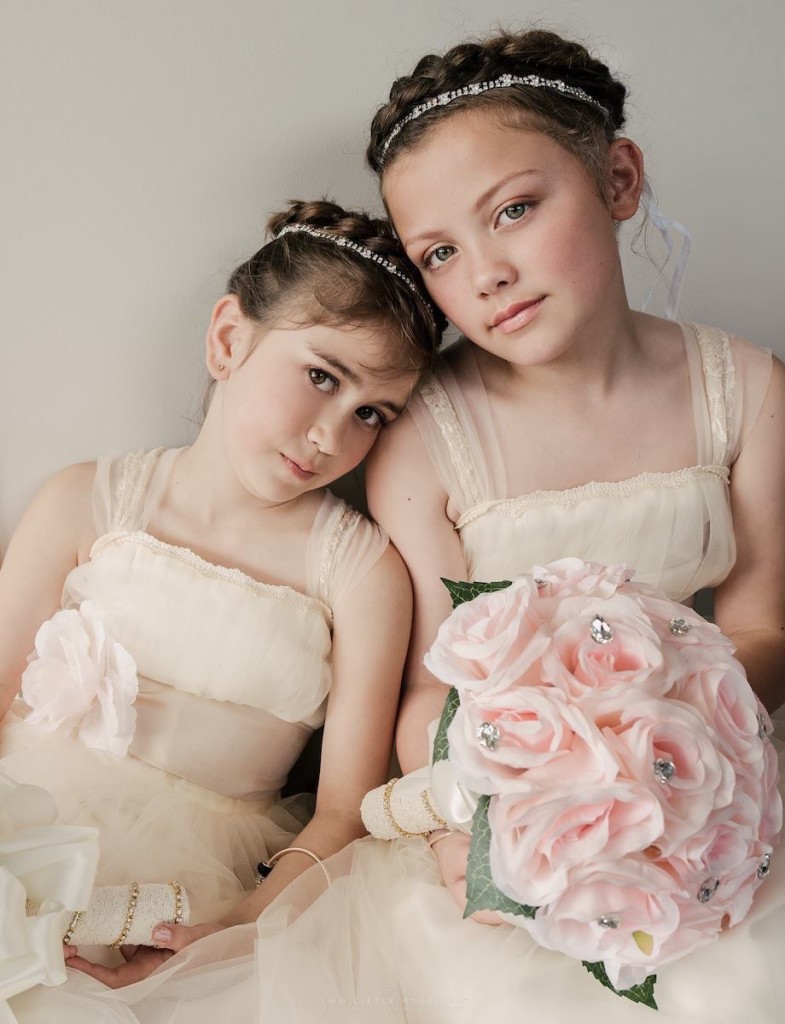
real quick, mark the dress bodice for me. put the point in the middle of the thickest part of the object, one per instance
(674, 529)
(233, 672)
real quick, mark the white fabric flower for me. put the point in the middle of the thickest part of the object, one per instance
(81, 679)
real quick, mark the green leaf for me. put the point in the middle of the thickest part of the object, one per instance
(481, 890)
(643, 993)
(462, 592)
(441, 747)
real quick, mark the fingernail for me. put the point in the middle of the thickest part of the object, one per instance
(162, 933)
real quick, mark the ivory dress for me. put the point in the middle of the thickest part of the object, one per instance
(233, 677)
(386, 942)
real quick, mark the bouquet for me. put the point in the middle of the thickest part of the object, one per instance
(607, 754)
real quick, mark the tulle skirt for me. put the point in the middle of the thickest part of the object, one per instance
(386, 943)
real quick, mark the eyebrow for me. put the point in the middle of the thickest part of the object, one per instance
(354, 378)
(482, 200)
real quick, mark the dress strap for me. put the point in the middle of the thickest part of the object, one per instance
(719, 383)
(436, 400)
(342, 548)
(121, 489)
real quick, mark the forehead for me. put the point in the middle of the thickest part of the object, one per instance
(462, 157)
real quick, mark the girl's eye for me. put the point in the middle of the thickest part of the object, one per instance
(323, 380)
(436, 256)
(371, 416)
(513, 212)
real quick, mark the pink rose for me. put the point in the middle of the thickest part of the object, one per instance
(81, 679)
(603, 648)
(537, 840)
(572, 577)
(491, 643)
(657, 737)
(539, 740)
(622, 913)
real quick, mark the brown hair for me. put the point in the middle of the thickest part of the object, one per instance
(312, 280)
(580, 127)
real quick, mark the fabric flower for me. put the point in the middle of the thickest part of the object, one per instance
(81, 679)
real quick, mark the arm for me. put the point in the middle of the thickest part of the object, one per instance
(750, 604)
(54, 534)
(408, 500)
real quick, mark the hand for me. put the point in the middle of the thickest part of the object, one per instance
(452, 855)
(141, 961)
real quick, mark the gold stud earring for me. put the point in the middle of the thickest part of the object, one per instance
(221, 367)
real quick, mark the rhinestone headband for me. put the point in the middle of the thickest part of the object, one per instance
(503, 82)
(346, 243)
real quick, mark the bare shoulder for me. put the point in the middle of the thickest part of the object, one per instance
(63, 507)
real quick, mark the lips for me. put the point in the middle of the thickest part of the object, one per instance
(516, 315)
(300, 470)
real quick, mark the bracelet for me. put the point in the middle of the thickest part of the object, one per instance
(387, 801)
(428, 803)
(177, 889)
(432, 839)
(71, 926)
(266, 866)
(133, 896)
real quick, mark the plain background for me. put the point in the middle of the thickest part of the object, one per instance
(146, 141)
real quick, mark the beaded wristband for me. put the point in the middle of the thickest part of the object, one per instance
(133, 896)
(387, 801)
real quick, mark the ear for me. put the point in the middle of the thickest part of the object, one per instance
(625, 179)
(227, 338)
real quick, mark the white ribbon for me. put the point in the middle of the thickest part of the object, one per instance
(667, 229)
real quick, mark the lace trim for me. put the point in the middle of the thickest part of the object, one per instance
(280, 592)
(441, 409)
(573, 496)
(719, 377)
(136, 473)
(339, 535)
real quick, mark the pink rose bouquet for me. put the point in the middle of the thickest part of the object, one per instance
(618, 763)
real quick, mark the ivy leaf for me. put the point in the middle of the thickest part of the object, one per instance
(643, 993)
(462, 592)
(441, 747)
(481, 890)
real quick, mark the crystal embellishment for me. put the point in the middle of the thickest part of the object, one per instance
(664, 769)
(765, 866)
(601, 632)
(707, 889)
(679, 626)
(608, 921)
(488, 735)
(763, 728)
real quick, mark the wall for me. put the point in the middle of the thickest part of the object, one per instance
(145, 141)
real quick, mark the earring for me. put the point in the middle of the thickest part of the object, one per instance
(221, 367)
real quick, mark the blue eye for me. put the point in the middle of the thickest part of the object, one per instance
(371, 416)
(440, 254)
(323, 380)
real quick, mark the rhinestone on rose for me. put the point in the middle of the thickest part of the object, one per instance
(664, 769)
(763, 727)
(707, 889)
(765, 866)
(609, 921)
(601, 632)
(488, 735)
(679, 626)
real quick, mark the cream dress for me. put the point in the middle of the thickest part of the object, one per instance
(234, 676)
(387, 943)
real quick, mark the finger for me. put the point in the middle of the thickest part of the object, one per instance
(70, 951)
(106, 975)
(178, 936)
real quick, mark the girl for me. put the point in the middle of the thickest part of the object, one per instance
(247, 604)
(505, 173)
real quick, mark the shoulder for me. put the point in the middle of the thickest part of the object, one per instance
(69, 490)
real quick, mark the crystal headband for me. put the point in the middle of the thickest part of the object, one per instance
(503, 82)
(346, 243)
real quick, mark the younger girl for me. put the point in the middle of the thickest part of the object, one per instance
(564, 424)
(248, 604)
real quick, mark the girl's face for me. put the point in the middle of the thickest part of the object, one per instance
(305, 406)
(514, 243)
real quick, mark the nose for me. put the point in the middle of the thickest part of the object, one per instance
(327, 433)
(492, 269)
